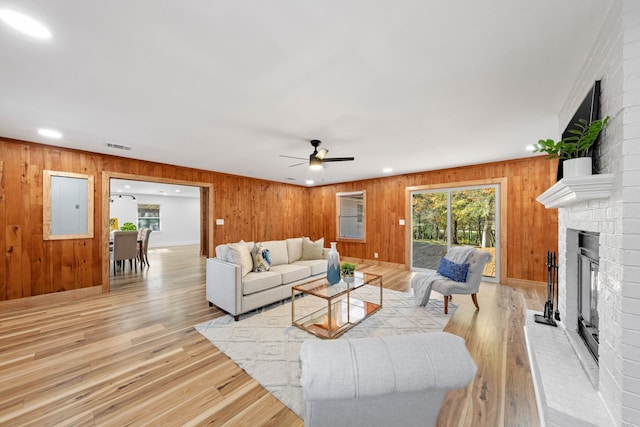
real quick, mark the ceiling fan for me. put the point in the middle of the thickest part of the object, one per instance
(318, 157)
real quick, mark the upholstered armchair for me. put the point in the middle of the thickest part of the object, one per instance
(396, 380)
(460, 272)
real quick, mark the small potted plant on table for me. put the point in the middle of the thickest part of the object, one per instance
(348, 270)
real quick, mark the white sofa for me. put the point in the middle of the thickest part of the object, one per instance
(396, 380)
(234, 286)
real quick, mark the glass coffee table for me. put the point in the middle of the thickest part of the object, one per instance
(339, 307)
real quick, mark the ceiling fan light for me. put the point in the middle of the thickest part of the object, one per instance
(315, 164)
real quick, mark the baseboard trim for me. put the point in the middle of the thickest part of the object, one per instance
(374, 262)
(522, 282)
(52, 298)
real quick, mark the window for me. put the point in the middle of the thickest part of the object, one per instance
(149, 216)
(351, 215)
(454, 216)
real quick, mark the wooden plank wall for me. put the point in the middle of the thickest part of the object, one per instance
(252, 210)
(532, 230)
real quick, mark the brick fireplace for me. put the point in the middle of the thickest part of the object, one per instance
(615, 218)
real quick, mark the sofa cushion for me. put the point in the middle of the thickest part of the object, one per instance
(291, 272)
(277, 251)
(222, 252)
(240, 253)
(261, 258)
(256, 282)
(317, 266)
(294, 248)
(453, 271)
(312, 250)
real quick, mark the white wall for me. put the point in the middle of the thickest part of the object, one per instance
(615, 59)
(179, 218)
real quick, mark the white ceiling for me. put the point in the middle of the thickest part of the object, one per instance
(136, 188)
(230, 85)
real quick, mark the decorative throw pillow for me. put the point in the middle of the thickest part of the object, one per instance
(294, 249)
(312, 250)
(261, 258)
(277, 251)
(240, 254)
(453, 271)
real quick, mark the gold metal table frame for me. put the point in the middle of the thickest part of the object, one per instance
(343, 309)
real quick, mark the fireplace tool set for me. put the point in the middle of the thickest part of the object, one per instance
(552, 292)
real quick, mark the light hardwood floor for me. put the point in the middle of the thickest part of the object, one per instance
(132, 357)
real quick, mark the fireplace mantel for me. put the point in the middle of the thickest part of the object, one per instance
(572, 190)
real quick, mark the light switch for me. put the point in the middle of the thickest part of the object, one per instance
(219, 221)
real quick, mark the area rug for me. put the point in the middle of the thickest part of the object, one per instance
(267, 347)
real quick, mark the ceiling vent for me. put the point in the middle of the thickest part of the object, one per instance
(118, 146)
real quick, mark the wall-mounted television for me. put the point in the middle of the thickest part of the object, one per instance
(588, 110)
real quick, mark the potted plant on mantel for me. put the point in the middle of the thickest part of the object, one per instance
(574, 150)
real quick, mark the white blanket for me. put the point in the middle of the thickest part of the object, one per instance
(459, 254)
(421, 283)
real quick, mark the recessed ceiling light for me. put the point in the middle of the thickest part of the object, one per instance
(387, 170)
(178, 191)
(25, 24)
(530, 147)
(50, 133)
(127, 186)
(309, 181)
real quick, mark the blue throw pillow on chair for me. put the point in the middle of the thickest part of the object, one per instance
(453, 271)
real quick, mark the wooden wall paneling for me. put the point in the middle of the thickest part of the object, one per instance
(102, 232)
(516, 243)
(13, 222)
(13, 260)
(252, 209)
(26, 225)
(3, 220)
(39, 269)
(520, 197)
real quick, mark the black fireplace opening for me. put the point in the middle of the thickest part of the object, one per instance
(588, 261)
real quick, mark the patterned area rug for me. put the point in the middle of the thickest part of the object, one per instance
(266, 346)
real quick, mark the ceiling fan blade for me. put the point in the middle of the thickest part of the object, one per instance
(298, 164)
(338, 159)
(292, 157)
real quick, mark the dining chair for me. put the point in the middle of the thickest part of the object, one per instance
(144, 246)
(125, 247)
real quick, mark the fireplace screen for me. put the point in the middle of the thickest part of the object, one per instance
(588, 259)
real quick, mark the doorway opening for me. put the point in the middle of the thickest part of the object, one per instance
(178, 212)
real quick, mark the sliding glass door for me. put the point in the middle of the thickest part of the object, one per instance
(454, 216)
